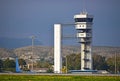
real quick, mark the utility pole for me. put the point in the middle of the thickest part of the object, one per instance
(66, 64)
(115, 63)
(32, 37)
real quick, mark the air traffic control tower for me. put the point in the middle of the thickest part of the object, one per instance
(83, 25)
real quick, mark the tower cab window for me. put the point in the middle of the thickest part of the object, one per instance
(83, 19)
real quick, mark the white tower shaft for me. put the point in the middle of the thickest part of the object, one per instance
(57, 49)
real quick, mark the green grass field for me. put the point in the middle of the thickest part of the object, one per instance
(57, 78)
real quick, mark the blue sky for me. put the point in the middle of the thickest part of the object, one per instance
(23, 18)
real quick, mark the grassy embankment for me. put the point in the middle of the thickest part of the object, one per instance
(57, 78)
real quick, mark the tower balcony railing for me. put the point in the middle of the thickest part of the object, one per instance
(86, 68)
(86, 59)
(82, 26)
(83, 40)
(84, 35)
(87, 51)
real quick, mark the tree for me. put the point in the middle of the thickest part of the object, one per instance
(73, 61)
(43, 64)
(50, 70)
(1, 65)
(99, 62)
(9, 65)
(111, 64)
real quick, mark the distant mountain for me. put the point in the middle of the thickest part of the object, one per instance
(11, 43)
(5, 53)
(47, 52)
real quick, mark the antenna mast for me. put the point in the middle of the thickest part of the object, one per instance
(84, 7)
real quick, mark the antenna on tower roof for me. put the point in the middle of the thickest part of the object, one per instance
(84, 7)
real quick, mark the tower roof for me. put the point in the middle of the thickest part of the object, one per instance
(83, 15)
